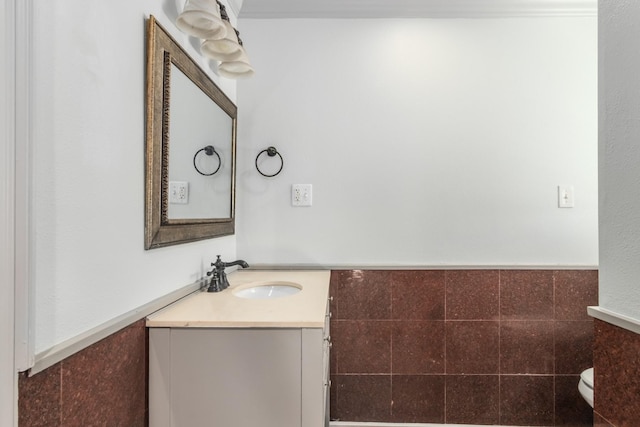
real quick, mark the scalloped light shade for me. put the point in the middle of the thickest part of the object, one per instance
(201, 18)
(225, 49)
(237, 69)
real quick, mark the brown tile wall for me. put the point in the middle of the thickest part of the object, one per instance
(409, 346)
(102, 385)
(616, 358)
(461, 346)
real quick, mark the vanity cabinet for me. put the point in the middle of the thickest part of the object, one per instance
(239, 377)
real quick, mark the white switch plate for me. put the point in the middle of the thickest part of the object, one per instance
(301, 195)
(565, 196)
(178, 192)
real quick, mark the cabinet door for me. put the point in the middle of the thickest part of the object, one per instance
(236, 377)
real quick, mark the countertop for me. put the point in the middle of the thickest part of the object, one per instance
(304, 309)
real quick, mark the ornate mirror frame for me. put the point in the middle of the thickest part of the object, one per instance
(162, 52)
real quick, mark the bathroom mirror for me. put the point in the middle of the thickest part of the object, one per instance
(190, 189)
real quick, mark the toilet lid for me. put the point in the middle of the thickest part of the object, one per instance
(587, 377)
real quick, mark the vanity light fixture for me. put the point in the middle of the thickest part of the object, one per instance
(238, 67)
(201, 18)
(208, 20)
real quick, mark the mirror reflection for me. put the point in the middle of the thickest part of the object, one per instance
(197, 122)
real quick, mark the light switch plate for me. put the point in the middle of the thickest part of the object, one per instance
(566, 196)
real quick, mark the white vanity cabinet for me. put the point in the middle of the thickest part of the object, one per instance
(264, 376)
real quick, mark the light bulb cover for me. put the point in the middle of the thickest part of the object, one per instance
(238, 68)
(225, 49)
(201, 18)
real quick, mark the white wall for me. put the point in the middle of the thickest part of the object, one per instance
(619, 67)
(8, 377)
(428, 142)
(88, 180)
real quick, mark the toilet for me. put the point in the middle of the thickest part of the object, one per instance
(585, 386)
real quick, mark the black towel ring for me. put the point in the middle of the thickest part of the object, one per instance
(271, 152)
(209, 151)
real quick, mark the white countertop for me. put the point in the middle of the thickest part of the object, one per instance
(304, 309)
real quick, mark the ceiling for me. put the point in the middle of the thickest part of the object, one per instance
(273, 9)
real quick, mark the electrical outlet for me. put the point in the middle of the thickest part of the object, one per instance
(565, 196)
(178, 192)
(301, 195)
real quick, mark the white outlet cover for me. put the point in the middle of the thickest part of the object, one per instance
(178, 192)
(301, 195)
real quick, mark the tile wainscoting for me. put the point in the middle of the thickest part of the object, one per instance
(455, 346)
(502, 347)
(102, 385)
(617, 376)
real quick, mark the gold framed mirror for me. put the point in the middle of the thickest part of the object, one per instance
(190, 148)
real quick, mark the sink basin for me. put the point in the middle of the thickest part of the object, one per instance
(268, 290)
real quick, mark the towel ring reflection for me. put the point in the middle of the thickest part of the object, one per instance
(209, 151)
(271, 152)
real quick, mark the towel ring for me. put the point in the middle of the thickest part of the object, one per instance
(271, 152)
(209, 151)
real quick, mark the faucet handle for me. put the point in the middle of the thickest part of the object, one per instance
(219, 264)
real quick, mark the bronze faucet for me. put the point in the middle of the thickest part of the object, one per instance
(219, 280)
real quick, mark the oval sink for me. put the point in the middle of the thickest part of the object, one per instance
(268, 290)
